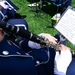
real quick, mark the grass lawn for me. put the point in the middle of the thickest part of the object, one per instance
(38, 23)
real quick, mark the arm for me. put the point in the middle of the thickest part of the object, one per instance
(50, 38)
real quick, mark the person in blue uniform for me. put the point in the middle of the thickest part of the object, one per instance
(9, 49)
(29, 45)
(42, 62)
(62, 3)
(11, 55)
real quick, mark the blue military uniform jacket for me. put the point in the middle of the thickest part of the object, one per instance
(63, 4)
(14, 61)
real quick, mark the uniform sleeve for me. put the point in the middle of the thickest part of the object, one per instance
(34, 45)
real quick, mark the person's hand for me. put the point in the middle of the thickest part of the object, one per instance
(63, 47)
(49, 37)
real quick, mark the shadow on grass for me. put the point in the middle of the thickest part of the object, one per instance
(49, 8)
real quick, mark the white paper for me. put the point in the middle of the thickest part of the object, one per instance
(66, 25)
